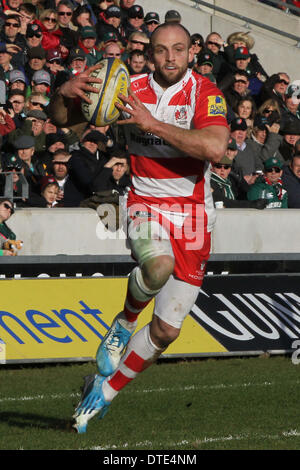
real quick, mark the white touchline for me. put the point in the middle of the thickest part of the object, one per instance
(221, 386)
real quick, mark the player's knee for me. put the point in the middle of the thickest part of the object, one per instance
(163, 334)
(157, 271)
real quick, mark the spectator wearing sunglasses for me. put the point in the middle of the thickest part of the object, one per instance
(214, 43)
(152, 20)
(6, 211)
(33, 36)
(11, 35)
(290, 135)
(197, 46)
(230, 190)
(275, 88)
(134, 22)
(52, 34)
(66, 26)
(269, 186)
(136, 41)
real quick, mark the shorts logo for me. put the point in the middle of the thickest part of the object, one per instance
(216, 106)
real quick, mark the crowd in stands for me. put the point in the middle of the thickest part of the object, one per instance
(46, 42)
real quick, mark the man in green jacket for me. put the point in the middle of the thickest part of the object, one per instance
(269, 186)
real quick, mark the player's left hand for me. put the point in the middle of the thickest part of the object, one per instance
(139, 114)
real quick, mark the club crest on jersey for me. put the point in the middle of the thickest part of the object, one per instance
(181, 115)
(216, 106)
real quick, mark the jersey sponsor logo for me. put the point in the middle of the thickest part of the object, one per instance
(147, 139)
(216, 106)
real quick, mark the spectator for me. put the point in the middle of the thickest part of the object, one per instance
(73, 178)
(290, 110)
(17, 99)
(197, 46)
(65, 12)
(275, 88)
(204, 65)
(269, 186)
(246, 162)
(136, 40)
(172, 16)
(52, 34)
(49, 191)
(33, 126)
(92, 152)
(246, 109)
(41, 82)
(291, 181)
(229, 190)
(36, 61)
(36, 101)
(137, 62)
(27, 16)
(110, 22)
(270, 109)
(54, 63)
(7, 124)
(87, 42)
(151, 20)
(10, 35)
(112, 50)
(33, 36)
(214, 43)
(6, 234)
(115, 174)
(17, 81)
(134, 22)
(5, 61)
(82, 16)
(291, 134)
(236, 89)
(264, 141)
(124, 6)
(76, 61)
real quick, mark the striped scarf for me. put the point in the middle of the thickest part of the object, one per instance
(225, 184)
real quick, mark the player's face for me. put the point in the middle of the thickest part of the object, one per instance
(171, 55)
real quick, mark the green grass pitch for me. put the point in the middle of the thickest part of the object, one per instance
(212, 404)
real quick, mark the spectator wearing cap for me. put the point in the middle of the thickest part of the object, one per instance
(36, 57)
(17, 81)
(33, 36)
(12, 164)
(134, 22)
(92, 152)
(290, 135)
(33, 169)
(253, 67)
(269, 186)
(172, 16)
(54, 62)
(41, 82)
(151, 20)
(124, 6)
(291, 181)
(204, 65)
(265, 140)
(49, 189)
(109, 21)
(33, 126)
(246, 163)
(87, 42)
(228, 189)
(76, 61)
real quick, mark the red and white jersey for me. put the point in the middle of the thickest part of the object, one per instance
(162, 174)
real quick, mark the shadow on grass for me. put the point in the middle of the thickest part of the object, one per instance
(31, 420)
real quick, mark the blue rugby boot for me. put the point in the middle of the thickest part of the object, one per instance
(92, 402)
(114, 344)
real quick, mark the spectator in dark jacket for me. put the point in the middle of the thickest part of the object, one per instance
(291, 182)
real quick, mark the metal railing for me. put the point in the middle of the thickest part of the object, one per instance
(249, 21)
(9, 186)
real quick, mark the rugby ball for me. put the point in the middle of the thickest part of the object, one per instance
(115, 79)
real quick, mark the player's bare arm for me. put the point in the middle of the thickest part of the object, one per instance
(209, 143)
